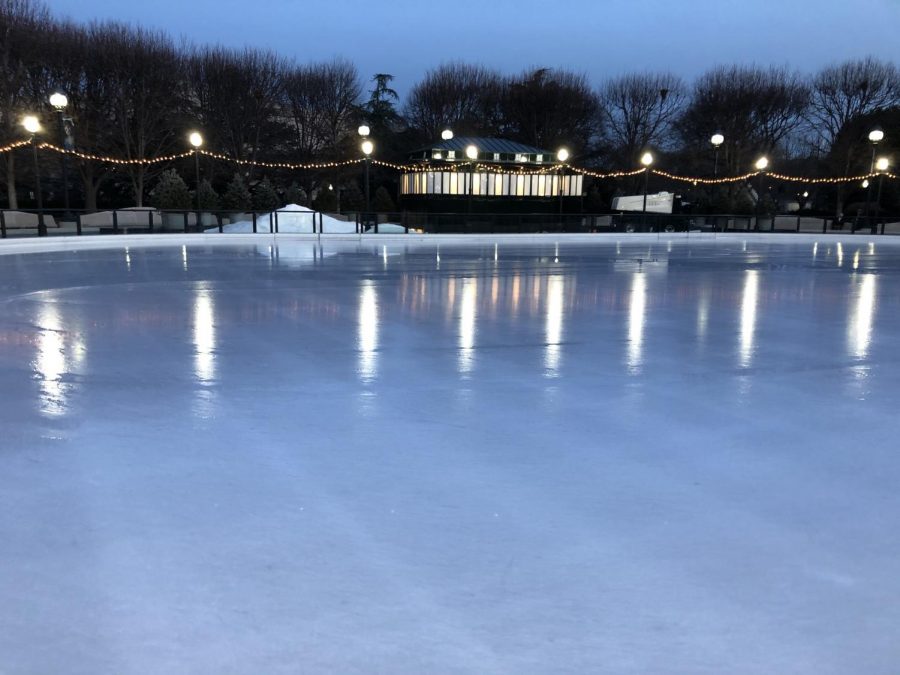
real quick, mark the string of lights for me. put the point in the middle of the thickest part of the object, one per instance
(280, 165)
(611, 174)
(454, 166)
(827, 181)
(12, 146)
(113, 160)
(705, 181)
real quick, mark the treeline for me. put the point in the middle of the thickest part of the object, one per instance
(134, 93)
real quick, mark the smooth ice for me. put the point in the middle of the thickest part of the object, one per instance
(631, 456)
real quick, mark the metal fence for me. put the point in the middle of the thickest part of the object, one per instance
(57, 222)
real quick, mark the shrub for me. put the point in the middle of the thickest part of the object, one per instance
(171, 192)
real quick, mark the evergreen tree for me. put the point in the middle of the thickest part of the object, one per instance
(326, 200)
(265, 196)
(237, 196)
(382, 202)
(381, 109)
(209, 198)
(352, 198)
(296, 195)
(171, 192)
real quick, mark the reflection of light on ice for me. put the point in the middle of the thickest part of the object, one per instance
(516, 292)
(636, 319)
(840, 254)
(703, 313)
(815, 250)
(50, 362)
(204, 337)
(367, 336)
(859, 330)
(856, 260)
(467, 318)
(554, 324)
(748, 316)
(184, 258)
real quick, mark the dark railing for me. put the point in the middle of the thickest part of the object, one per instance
(56, 222)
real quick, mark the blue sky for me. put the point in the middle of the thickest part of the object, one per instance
(600, 37)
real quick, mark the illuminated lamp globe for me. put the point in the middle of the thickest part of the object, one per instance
(882, 164)
(717, 139)
(865, 183)
(647, 159)
(447, 134)
(195, 139)
(363, 130)
(59, 100)
(31, 123)
(762, 163)
(876, 135)
(472, 152)
(367, 147)
(562, 155)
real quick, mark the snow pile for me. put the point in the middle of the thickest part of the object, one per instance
(296, 219)
(292, 219)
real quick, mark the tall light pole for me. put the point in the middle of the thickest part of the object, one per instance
(472, 154)
(561, 156)
(875, 137)
(761, 165)
(33, 126)
(716, 140)
(367, 147)
(646, 160)
(196, 140)
(881, 166)
(59, 101)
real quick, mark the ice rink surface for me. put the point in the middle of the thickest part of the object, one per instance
(642, 456)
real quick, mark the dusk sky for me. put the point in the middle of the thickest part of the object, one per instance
(598, 37)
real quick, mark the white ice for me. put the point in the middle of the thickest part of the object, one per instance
(288, 456)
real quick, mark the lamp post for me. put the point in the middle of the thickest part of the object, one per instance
(367, 147)
(716, 140)
(561, 156)
(761, 164)
(881, 166)
(33, 126)
(196, 140)
(472, 154)
(646, 160)
(875, 137)
(59, 101)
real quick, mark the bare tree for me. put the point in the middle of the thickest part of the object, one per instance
(842, 98)
(843, 92)
(551, 108)
(21, 22)
(147, 97)
(458, 95)
(81, 63)
(320, 104)
(639, 111)
(235, 97)
(755, 109)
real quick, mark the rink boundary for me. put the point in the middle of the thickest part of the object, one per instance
(113, 242)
